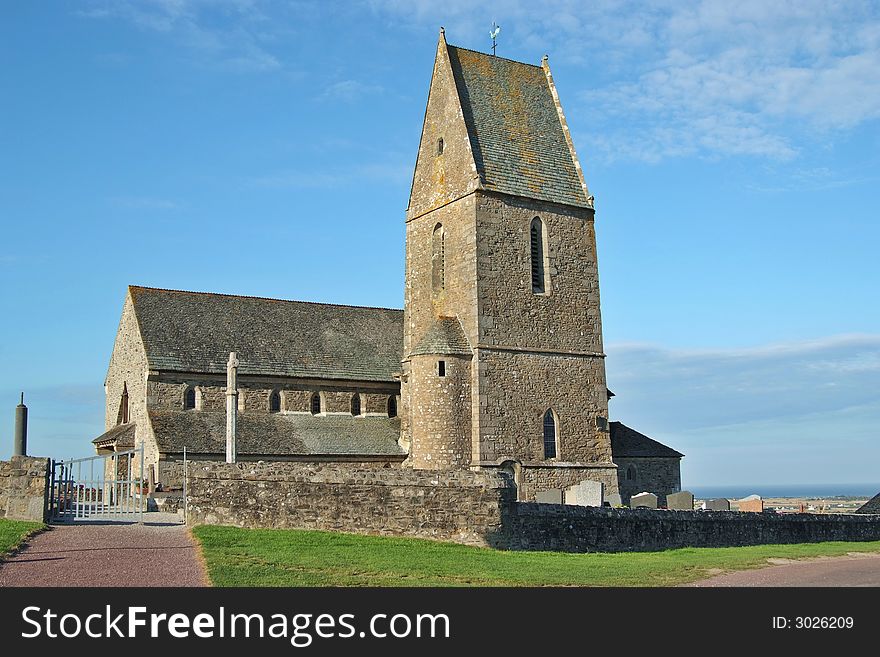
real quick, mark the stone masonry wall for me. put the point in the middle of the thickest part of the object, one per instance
(441, 177)
(660, 476)
(544, 477)
(477, 508)
(441, 412)
(422, 304)
(566, 317)
(565, 528)
(127, 370)
(23, 488)
(456, 505)
(516, 389)
(166, 390)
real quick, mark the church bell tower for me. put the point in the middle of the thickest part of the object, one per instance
(503, 364)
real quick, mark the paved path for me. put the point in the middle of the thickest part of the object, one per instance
(852, 570)
(160, 552)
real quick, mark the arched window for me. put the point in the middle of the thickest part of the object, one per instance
(538, 250)
(274, 401)
(123, 405)
(355, 404)
(549, 434)
(316, 403)
(631, 473)
(392, 406)
(189, 398)
(438, 259)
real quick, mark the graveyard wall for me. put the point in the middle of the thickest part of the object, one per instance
(476, 508)
(23, 488)
(455, 505)
(565, 528)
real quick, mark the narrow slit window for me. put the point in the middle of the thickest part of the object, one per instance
(630, 473)
(441, 368)
(124, 404)
(440, 146)
(316, 404)
(274, 401)
(538, 250)
(355, 404)
(549, 435)
(392, 406)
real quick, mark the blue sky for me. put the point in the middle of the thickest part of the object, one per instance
(266, 148)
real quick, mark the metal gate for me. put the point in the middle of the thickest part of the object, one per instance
(103, 487)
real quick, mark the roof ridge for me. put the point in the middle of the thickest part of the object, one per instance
(507, 59)
(250, 296)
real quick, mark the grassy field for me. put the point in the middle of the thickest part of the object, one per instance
(13, 532)
(278, 557)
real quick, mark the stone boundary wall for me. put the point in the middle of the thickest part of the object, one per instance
(457, 505)
(563, 528)
(476, 508)
(23, 488)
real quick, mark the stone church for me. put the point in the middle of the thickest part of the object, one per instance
(495, 362)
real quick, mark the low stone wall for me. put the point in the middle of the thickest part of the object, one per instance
(23, 488)
(476, 508)
(565, 528)
(461, 506)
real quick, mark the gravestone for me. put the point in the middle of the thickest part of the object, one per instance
(613, 499)
(681, 501)
(752, 503)
(552, 496)
(586, 493)
(644, 501)
(719, 504)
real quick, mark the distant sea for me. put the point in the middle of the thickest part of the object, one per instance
(737, 492)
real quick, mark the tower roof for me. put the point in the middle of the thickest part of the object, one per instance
(444, 337)
(516, 128)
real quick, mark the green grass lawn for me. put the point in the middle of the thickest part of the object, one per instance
(287, 557)
(13, 532)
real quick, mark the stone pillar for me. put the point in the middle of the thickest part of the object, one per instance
(231, 406)
(19, 443)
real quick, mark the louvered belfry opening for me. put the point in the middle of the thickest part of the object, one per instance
(438, 259)
(537, 239)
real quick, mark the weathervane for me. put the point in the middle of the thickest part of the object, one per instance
(493, 35)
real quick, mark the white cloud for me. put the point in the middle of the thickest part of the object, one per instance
(793, 412)
(697, 389)
(348, 91)
(225, 33)
(701, 78)
(382, 172)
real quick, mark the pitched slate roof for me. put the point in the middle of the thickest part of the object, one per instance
(626, 442)
(515, 128)
(122, 435)
(277, 434)
(871, 506)
(195, 331)
(444, 336)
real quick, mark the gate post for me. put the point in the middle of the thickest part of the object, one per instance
(141, 485)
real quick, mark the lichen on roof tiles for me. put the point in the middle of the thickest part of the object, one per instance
(195, 332)
(515, 129)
